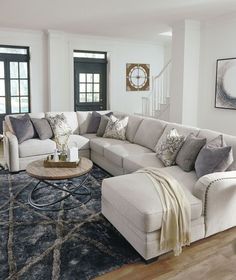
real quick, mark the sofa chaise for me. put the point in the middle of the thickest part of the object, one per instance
(129, 201)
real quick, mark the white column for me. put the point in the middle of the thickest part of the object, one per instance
(58, 72)
(185, 72)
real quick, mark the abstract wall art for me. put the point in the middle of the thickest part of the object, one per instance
(225, 89)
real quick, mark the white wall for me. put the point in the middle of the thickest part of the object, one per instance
(218, 41)
(120, 52)
(38, 63)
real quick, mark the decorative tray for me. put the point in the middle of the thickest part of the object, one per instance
(61, 163)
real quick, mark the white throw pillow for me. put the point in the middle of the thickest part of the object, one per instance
(116, 128)
(169, 147)
(59, 124)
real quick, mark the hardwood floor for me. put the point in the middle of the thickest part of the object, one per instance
(213, 258)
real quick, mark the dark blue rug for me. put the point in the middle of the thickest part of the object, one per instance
(66, 244)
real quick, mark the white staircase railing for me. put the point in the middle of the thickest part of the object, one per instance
(156, 104)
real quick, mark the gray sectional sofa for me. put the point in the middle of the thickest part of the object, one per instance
(129, 200)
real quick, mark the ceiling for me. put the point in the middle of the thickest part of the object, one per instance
(134, 19)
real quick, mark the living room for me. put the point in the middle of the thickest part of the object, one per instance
(129, 91)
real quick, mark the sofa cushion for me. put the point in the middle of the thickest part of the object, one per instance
(148, 133)
(59, 124)
(102, 126)
(71, 118)
(95, 121)
(186, 179)
(188, 153)
(116, 128)
(98, 144)
(116, 153)
(23, 128)
(134, 162)
(36, 147)
(135, 197)
(81, 142)
(229, 140)
(132, 127)
(215, 156)
(182, 130)
(43, 128)
(84, 118)
(169, 147)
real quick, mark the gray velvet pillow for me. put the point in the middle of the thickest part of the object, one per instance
(43, 128)
(188, 153)
(95, 121)
(23, 128)
(102, 125)
(215, 156)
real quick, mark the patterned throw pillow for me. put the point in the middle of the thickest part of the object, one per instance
(59, 124)
(116, 128)
(169, 148)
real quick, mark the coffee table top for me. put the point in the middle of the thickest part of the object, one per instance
(37, 170)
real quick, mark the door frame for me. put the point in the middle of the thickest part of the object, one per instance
(93, 60)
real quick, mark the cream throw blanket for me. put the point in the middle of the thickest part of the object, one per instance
(176, 220)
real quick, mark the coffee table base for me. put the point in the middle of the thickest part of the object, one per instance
(62, 186)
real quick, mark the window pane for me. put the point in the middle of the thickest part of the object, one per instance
(2, 87)
(82, 78)
(14, 87)
(89, 55)
(1, 69)
(89, 78)
(96, 87)
(2, 105)
(13, 50)
(96, 97)
(96, 78)
(14, 69)
(15, 105)
(23, 70)
(24, 106)
(82, 98)
(89, 88)
(89, 98)
(24, 87)
(82, 88)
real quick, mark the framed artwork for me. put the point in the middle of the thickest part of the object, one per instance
(225, 88)
(137, 77)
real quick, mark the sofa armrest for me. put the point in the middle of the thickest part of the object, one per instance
(11, 151)
(218, 194)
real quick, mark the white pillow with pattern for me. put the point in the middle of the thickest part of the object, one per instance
(168, 149)
(116, 128)
(59, 124)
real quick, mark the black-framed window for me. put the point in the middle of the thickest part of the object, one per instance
(14, 80)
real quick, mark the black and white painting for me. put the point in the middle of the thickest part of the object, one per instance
(225, 95)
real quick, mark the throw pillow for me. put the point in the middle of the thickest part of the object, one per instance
(116, 128)
(215, 156)
(43, 128)
(102, 125)
(59, 124)
(22, 128)
(95, 121)
(188, 153)
(169, 147)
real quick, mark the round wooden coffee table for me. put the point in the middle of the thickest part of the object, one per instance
(62, 176)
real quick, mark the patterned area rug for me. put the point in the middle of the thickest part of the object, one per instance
(66, 244)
